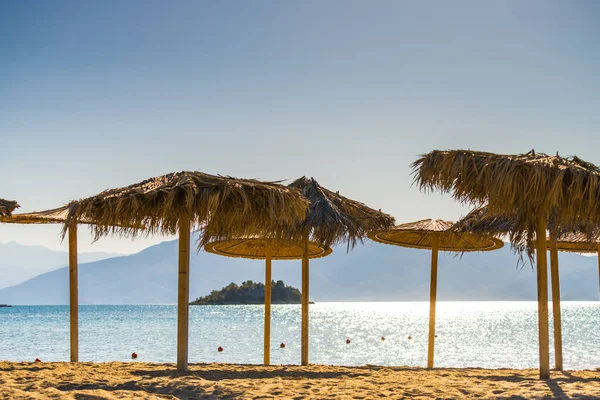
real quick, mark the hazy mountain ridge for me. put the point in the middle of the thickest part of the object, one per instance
(19, 262)
(372, 272)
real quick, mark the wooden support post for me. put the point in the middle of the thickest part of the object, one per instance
(599, 267)
(73, 294)
(267, 344)
(432, 300)
(558, 357)
(305, 279)
(542, 289)
(183, 295)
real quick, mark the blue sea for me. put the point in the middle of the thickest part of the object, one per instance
(470, 334)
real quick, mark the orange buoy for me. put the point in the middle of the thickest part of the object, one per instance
(282, 345)
(382, 338)
(38, 360)
(220, 349)
(347, 341)
(134, 355)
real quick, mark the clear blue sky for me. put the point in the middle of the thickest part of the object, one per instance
(102, 94)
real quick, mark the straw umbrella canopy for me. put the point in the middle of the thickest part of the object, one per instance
(536, 187)
(437, 235)
(52, 216)
(481, 220)
(266, 249)
(259, 248)
(59, 216)
(7, 207)
(176, 203)
(334, 219)
(330, 219)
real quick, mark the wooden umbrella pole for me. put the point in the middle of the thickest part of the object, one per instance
(432, 300)
(183, 294)
(267, 344)
(558, 357)
(599, 266)
(305, 279)
(542, 289)
(73, 294)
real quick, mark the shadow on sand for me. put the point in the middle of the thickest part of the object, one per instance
(247, 373)
(189, 387)
(178, 389)
(554, 384)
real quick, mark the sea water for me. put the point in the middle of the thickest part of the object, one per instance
(469, 334)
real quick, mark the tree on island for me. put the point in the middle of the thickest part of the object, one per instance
(251, 293)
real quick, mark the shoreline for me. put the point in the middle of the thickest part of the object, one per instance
(261, 303)
(424, 302)
(134, 380)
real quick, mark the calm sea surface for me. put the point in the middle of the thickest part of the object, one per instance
(470, 334)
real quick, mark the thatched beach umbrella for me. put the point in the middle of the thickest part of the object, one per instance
(177, 202)
(536, 187)
(59, 216)
(7, 207)
(480, 220)
(266, 249)
(436, 235)
(569, 242)
(331, 219)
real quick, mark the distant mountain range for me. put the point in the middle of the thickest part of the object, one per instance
(371, 272)
(19, 263)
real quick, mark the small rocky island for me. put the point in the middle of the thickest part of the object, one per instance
(251, 293)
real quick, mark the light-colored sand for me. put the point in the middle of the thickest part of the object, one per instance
(161, 381)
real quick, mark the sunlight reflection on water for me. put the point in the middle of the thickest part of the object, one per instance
(475, 334)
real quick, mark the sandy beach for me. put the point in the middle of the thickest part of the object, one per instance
(137, 380)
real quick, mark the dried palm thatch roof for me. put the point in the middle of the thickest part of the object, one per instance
(255, 248)
(217, 204)
(330, 219)
(568, 188)
(421, 234)
(482, 221)
(575, 242)
(7, 207)
(54, 216)
(333, 218)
